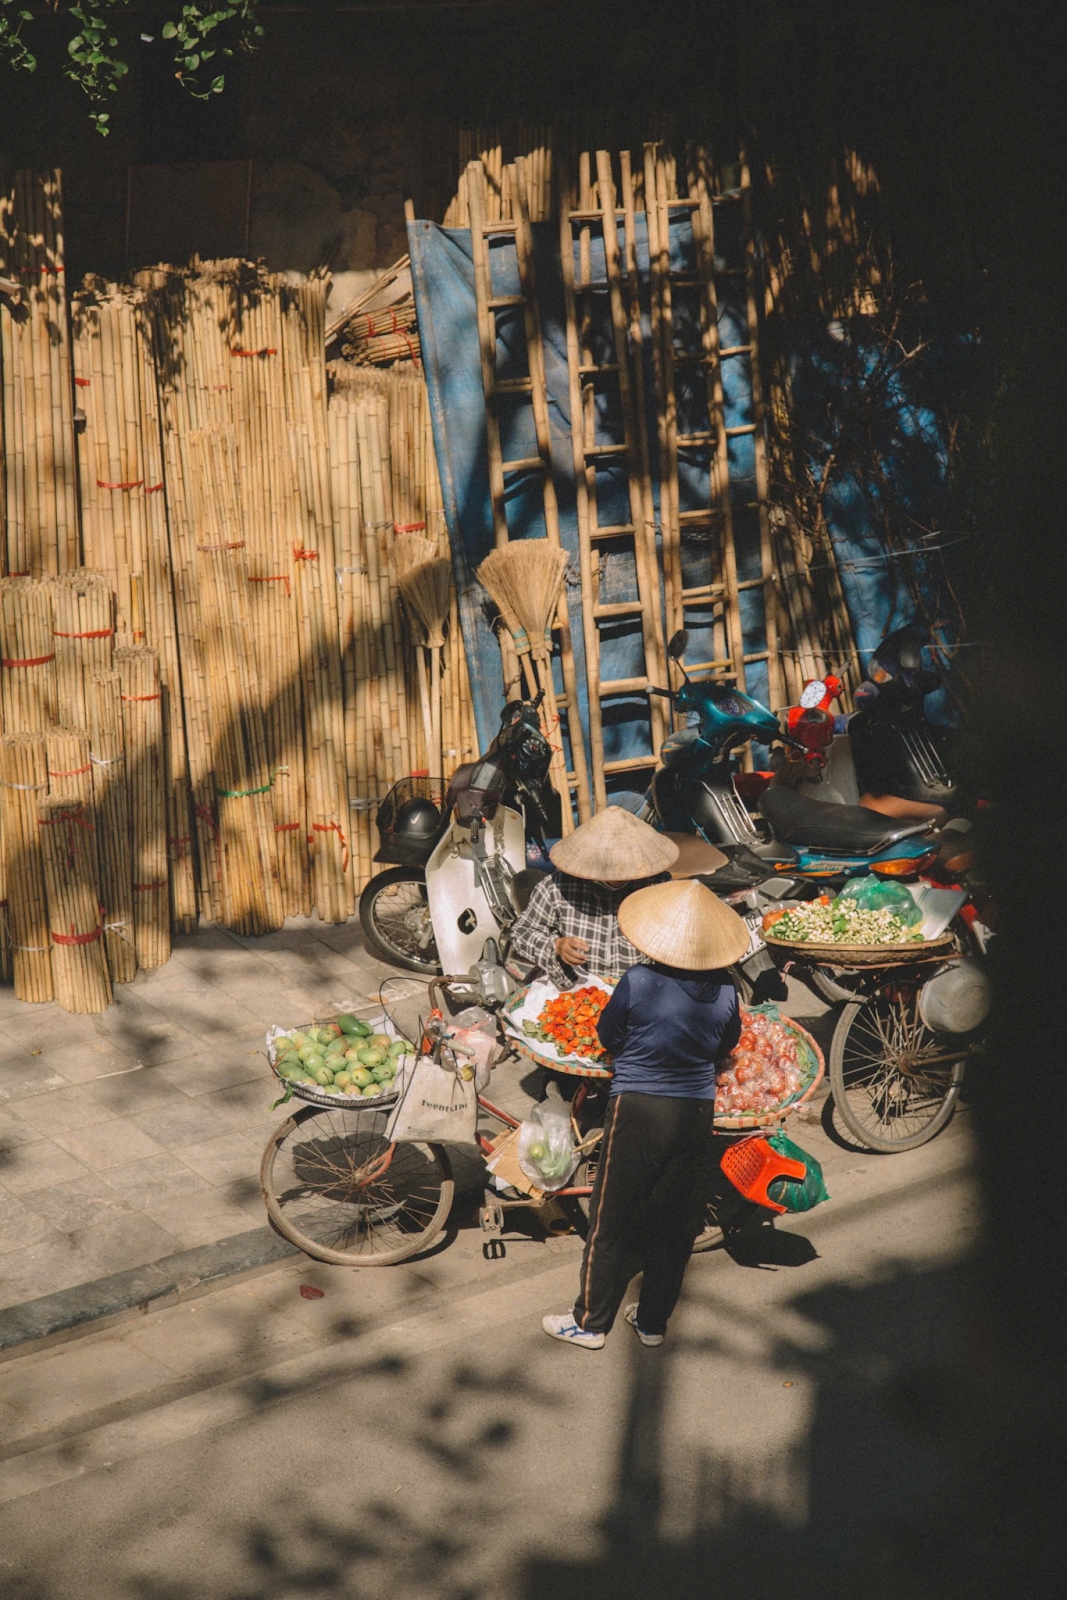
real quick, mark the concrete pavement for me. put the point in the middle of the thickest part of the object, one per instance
(413, 1431)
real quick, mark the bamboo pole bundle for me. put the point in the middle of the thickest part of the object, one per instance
(83, 628)
(142, 727)
(23, 784)
(42, 535)
(79, 966)
(251, 889)
(187, 316)
(351, 582)
(271, 527)
(125, 523)
(27, 656)
(107, 754)
(70, 772)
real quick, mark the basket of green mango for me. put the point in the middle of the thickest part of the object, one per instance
(340, 1061)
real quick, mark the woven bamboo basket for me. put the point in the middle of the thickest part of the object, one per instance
(859, 956)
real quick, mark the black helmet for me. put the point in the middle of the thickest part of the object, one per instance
(417, 821)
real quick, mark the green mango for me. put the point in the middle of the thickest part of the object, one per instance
(381, 1074)
(401, 1047)
(371, 1058)
(353, 1025)
(292, 1070)
(328, 1031)
(370, 1091)
(323, 1077)
(298, 1038)
(361, 1077)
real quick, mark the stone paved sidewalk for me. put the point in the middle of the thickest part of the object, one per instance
(131, 1136)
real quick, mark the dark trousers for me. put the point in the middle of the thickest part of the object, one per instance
(647, 1193)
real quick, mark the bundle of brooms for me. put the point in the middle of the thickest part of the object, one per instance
(524, 579)
(425, 582)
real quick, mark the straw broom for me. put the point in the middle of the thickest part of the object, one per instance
(425, 582)
(525, 580)
(27, 656)
(138, 669)
(79, 967)
(111, 804)
(23, 784)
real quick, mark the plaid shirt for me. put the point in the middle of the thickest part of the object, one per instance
(576, 908)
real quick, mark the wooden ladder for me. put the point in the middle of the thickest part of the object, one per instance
(533, 386)
(592, 453)
(723, 592)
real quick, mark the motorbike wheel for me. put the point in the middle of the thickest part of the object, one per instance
(395, 918)
(894, 1082)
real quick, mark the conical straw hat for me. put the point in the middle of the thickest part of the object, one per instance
(696, 857)
(683, 925)
(616, 846)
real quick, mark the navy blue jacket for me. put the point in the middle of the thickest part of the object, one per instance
(666, 1030)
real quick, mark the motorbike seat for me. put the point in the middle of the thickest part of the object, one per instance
(794, 819)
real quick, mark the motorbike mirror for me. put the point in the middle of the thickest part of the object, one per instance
(679, 644)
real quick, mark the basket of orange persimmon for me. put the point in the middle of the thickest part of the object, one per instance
(557, 1027)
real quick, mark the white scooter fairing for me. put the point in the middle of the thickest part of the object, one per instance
(459, 908)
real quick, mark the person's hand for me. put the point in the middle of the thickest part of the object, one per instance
(572, 952)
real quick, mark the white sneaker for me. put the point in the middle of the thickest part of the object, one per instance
(563, 1326)
(630, 1316)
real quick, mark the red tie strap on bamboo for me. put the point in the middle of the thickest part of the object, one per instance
(28, 685)
(134, 483)
(79, 964)
(276, 577)
(111, 801)
(332, 827)
(138, 669)
(23, 782)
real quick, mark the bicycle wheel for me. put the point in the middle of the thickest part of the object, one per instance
(396, 922)
(894, 1082)
(335, 1186)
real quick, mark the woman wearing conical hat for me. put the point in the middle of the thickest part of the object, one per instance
(666, 1026)
(570, 928)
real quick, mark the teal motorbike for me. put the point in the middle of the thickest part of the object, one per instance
(694, 792)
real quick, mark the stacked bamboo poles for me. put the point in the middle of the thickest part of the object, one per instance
(83, 629)
(488, 146)
(23, 786)
(41, 511)
(28, 695)
(142, 726)
(272, 526)
(70, 772)
(352, 629)
(250, 889)
(188, 312)
(124, 521)
(79, 966)
(111, 805)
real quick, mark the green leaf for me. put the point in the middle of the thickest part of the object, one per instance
(191, 63)
(169, 30)
(218, 84)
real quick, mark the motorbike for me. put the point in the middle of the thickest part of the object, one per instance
(695, 792)
(457, 860)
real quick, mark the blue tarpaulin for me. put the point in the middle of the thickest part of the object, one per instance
(443, 275)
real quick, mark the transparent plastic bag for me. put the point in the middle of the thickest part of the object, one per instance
(473, 1036)
(547, 1152)
(873, 894)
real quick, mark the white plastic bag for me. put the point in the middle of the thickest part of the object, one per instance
(547, 1151)
(434, 1105)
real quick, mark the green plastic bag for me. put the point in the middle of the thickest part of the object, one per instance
(874, 894)
(796, 1194)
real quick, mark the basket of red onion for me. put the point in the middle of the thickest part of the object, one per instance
(775, 1066)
